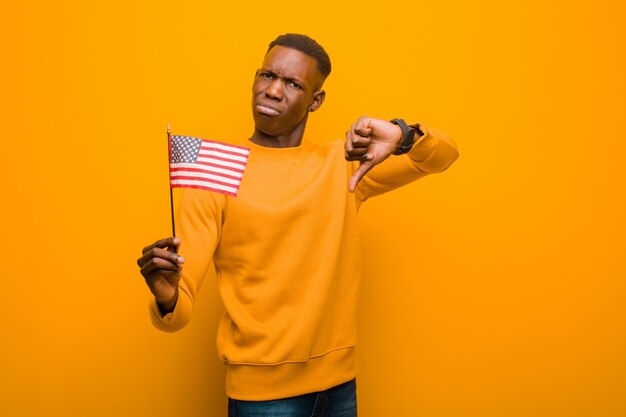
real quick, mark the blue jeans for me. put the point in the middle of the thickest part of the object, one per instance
(338, 401)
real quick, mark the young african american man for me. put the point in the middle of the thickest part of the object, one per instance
(286, 248)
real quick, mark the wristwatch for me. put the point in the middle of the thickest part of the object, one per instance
(408, 133)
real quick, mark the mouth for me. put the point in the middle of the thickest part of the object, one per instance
(267, 110)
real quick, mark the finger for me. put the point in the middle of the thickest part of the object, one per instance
(158, 267)
(160, 253)
(168, 276)
(357, 154)
(348, 144)
(159, 263)
(364, 131)
(349, 147)
(356, 140)
(362, 127)
(359, 141)
(168, 242)
(363, 168)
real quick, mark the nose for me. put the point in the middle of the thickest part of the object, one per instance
(275, 89)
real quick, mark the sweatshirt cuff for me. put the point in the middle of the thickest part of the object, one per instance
(434, 151)
(174, 320)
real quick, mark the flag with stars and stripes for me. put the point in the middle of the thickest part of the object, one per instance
(205, 164)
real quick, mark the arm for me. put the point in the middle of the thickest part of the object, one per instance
(372, 143)
(199, 222)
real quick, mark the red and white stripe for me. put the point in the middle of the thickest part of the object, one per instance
(219, 167)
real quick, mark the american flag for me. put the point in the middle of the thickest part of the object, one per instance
(200, 163)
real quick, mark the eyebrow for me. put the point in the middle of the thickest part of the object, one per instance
(294, 79)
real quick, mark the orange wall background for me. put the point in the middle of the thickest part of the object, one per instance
(494, 289)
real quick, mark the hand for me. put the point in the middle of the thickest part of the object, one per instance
(161, 267)
(370, 141)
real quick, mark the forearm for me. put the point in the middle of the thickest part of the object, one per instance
(166, 307)
(433, 151)
(199, 222)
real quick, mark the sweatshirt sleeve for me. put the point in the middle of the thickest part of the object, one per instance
(433, 152)
(198, 226)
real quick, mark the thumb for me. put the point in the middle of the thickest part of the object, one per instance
(174, 247)
(363, 168)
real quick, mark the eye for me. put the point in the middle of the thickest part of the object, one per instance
(294, 84)
(266, 75)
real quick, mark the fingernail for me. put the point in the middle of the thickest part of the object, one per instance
(176, 241)
(181, 260)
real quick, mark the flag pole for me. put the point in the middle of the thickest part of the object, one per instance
(169, 154)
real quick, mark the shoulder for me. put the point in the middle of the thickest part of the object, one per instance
(200, 201)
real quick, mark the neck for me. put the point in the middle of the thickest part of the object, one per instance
(287, 140)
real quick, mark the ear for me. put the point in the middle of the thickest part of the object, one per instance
(318, 99)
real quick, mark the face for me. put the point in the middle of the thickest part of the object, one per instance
(285, 89)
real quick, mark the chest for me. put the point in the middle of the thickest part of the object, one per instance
(275, 193)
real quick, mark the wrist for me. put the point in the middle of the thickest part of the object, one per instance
(418, 131)
(167, 306)
(408, 135)
(399, 137)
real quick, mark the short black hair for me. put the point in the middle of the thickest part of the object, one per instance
(306, 45)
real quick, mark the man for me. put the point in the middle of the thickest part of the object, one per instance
(286, 249)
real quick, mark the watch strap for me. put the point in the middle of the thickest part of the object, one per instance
(408, 133)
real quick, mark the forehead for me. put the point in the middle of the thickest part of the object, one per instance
(291, 63)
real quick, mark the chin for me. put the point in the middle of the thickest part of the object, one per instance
(267, 126)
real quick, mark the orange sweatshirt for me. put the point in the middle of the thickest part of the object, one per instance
(287, 257)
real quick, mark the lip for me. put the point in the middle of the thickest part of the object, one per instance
(267, 110)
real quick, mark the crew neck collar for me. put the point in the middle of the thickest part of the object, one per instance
(277, 153)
